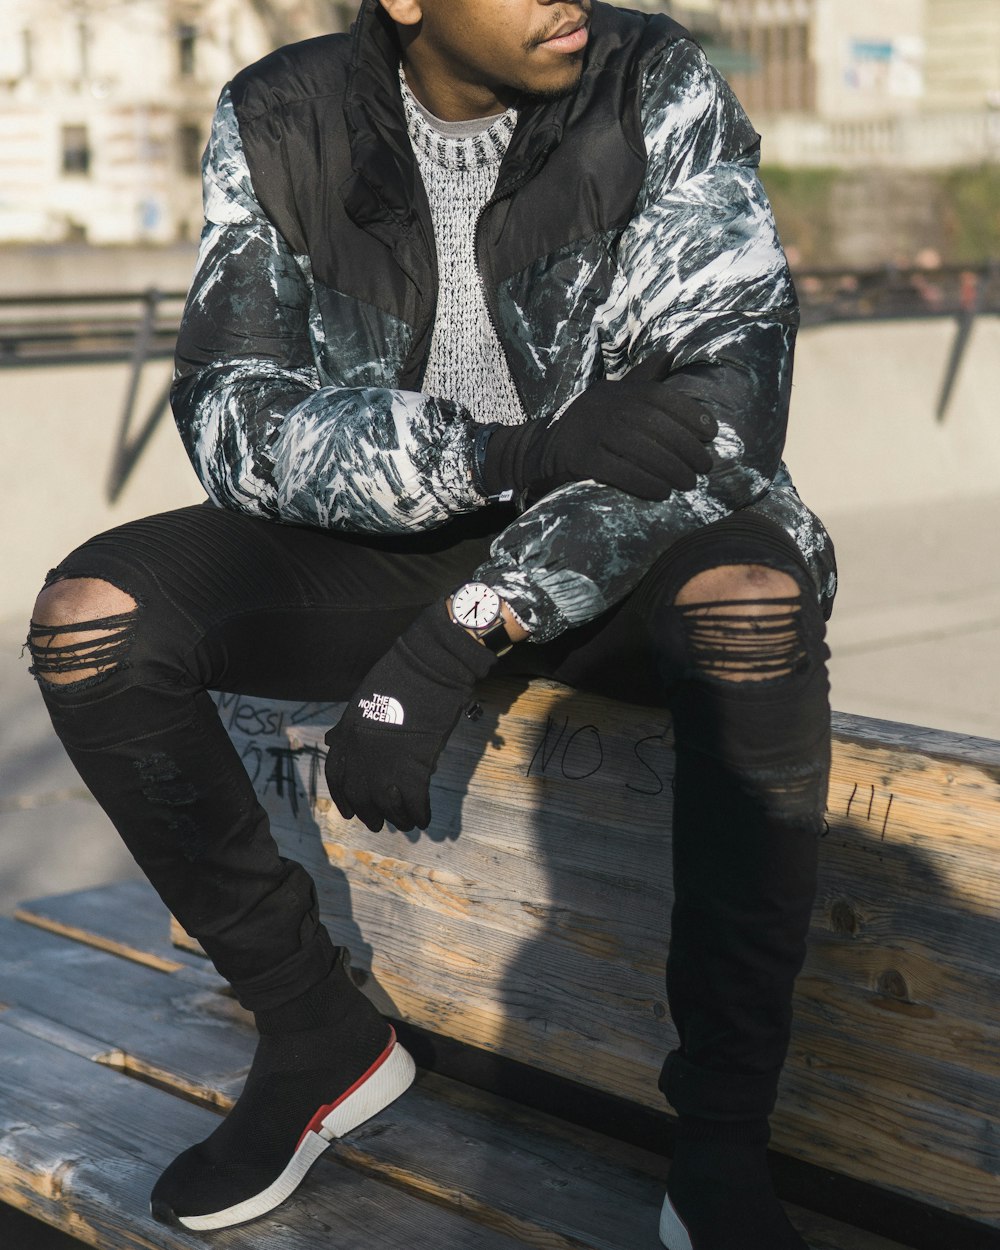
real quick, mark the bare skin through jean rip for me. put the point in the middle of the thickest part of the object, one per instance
(81, 630)
(742, 640)
(743, 623)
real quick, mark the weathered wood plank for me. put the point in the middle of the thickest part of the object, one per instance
(531, 918)
(81, 1146)
(436, 1169)
(121, 922)
(96, 993)
(588, 1181)
(544, 1183)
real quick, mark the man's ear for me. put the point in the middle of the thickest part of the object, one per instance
(404, 12)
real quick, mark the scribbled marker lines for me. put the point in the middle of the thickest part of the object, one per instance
(871, 804)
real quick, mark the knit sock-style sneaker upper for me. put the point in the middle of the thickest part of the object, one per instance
(304, 1088)
(719, 1191)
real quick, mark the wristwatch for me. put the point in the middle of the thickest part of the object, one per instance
(476, 607)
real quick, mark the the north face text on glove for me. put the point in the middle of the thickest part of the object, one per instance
(379, 768)
(382, 707)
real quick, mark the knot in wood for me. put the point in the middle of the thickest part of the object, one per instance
(892, 984)
(843, 918)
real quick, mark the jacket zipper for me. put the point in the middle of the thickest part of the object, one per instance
(487, 300)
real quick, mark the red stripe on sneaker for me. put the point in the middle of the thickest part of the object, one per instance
(324, 1111)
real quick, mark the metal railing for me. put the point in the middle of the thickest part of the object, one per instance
(91, 328)
(137, 327)
(891, 292)
(77, 328)
(88, 326)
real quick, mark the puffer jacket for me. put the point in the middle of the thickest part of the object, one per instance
(628, 226)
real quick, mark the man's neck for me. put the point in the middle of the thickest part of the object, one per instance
(449, 99)
(450, 129)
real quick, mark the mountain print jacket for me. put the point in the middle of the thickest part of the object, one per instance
(628, 229)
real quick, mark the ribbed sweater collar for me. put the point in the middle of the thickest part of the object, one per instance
(430, 137)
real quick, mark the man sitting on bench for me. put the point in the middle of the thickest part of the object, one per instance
(485, 368)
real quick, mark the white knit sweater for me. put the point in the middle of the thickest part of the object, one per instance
(459, 163)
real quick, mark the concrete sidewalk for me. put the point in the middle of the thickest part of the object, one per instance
(915, 633)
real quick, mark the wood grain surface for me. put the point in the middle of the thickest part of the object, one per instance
(82, 1146)
(532, 918)
(443, 1166)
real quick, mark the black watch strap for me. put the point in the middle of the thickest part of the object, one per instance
(496, 639)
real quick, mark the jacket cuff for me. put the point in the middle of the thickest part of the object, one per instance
(533, 608)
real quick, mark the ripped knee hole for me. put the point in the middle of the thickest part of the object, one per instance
(745, 639)
(81, 650)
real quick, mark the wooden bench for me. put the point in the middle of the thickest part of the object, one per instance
(520, 946)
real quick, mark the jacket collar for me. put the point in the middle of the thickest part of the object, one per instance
(384, 184)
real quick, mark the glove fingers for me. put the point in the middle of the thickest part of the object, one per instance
(657, 463)
(357, 795)
(665, 413)
(335, 768)
(397, 810)
(344, 807)
(682, 446)
(680, 408)
(415, 789)
(370, 816)
(694, 418)
(658, 475)
(659, 439)
(635, 480)
(422, 811)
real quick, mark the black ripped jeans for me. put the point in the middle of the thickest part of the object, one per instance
(230, 603)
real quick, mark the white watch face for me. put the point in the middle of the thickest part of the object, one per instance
(475, 605)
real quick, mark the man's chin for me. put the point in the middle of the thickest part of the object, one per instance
(543, 95)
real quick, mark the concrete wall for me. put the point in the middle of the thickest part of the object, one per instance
(70, 268)
(60, 429)
(863, 436)
(863, 429)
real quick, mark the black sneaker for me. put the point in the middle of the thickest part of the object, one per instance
(304, 1089)
(719, 1190)
(673, 1230)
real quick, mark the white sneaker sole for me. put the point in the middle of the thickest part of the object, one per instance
(673, 1232)
(391, 1075)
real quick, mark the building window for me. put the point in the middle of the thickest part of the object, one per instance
(75, 151)
(83, 50)
(27, 52)
(187, 42)
(189, 148)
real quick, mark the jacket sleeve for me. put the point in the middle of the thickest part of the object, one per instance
(264, 434)
(702, 301)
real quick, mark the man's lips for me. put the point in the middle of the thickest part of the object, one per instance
(569, 37)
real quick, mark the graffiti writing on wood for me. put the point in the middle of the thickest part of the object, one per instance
(870, 808)
(577, 753)
(244, 716)
(276, 769)
(564, 750)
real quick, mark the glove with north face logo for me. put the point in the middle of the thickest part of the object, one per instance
(385, 747)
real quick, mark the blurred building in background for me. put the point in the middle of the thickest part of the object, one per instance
(105, 107)
(105, 104)
(906, 83)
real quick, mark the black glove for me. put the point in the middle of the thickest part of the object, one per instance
(640, 436)
(385, 747)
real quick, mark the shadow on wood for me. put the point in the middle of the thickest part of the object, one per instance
(531, 920)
